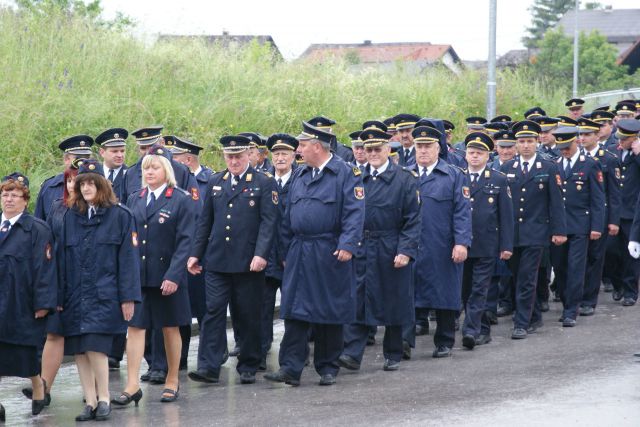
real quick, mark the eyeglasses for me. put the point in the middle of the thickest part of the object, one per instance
(12, 196)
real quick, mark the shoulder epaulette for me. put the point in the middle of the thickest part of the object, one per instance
(411, 171)
(356, 171)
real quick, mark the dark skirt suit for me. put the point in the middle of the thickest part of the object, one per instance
(27, 284)
(100, 266)
(164, 235)
(55, 221)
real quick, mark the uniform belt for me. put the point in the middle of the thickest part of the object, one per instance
(375, 234)
(330, 235)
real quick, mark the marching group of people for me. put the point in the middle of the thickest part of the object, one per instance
(401, 228)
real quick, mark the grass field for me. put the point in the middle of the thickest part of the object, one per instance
(62, 76)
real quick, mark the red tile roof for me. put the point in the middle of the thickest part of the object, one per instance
(381, 52)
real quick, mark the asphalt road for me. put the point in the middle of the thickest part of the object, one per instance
(583, 376)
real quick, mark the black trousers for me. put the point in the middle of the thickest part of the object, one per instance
(569, 263)
(268, 307)
(625, 278)
(524, 264)
(243, 291)
(327, 348)
(594, 270)
(355, 341)
(476, 279)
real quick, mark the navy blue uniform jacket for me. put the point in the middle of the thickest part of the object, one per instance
(28, 281)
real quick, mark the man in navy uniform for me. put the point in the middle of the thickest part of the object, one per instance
(78, 146)
(404, 126)
(444, 239)
(264, 165)
(234, 235)
(359, 156)
(474, 124)
(145, 138)
(505, 147)
(113, 146)
(576, 107)
(589, 134)
(583, 195)
(187, 153)
(492, 220)
(325, 124)
(321, 229)
(625, 275)
(390, 244)
(547, 145)
(534, 112)
(538, 209)
(606, 135)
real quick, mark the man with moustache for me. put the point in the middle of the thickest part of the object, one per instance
(404, 126)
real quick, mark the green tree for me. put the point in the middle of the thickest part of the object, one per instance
(545, 15)
(597, 60)
(90, 10)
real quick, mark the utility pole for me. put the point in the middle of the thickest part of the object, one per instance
(576, 39)
(491, 61)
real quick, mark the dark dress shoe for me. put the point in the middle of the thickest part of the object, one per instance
(103, 411)
(225, 356)
(568, 323)
(533, 327)
(422, 330)
(628, 302)
(145, 377)
(441, 351)
(263, 365)
(607, 287)
(544, 306)
(235, 352)
(518, 334)
(172, 395)
(371, 340)
(616, 295)
(114, 365)
(492, 317)
(157, 377)
(504, 311)
(87, 414)
(28, 393)
(3, 415)
(483, 339)
(281, 376)
(587, 311)
(126, 398)
(406, 351)
(37, 406)
(348, 362)
(468, 342)
(204, 376)
(327, 379)
(391, 365)
(247, 378)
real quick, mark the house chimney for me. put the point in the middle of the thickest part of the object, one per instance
(367, 42)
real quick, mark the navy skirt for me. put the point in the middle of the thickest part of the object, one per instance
(80, 344)
(157, 311)
(18, 360)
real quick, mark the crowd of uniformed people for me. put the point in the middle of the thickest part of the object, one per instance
(400, 229)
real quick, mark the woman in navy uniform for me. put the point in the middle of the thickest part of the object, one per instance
(391, 235)
(53, 351)
(28, 287)
(282, 147)
(492, 221)
(164, 217)
(100, 285)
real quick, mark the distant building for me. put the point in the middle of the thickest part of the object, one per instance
(621, 27)
(513, 58)
(226, 40)
(415, 56)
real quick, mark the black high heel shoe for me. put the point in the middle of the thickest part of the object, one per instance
(38, 405)
(126, 398)
(3, 416)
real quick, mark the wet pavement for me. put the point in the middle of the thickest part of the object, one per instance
(584, 376)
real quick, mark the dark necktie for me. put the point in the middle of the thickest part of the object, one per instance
(316, 172)
(279, 183)
(362, 168)
(407, 153)
(474, 179)
(152, 201)
(375, 173)
(92, 212)
(4, 230)
(567, 169)
(235, 181)
(110, 176)
(525, 166)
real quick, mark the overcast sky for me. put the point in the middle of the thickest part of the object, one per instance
(295, 24)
